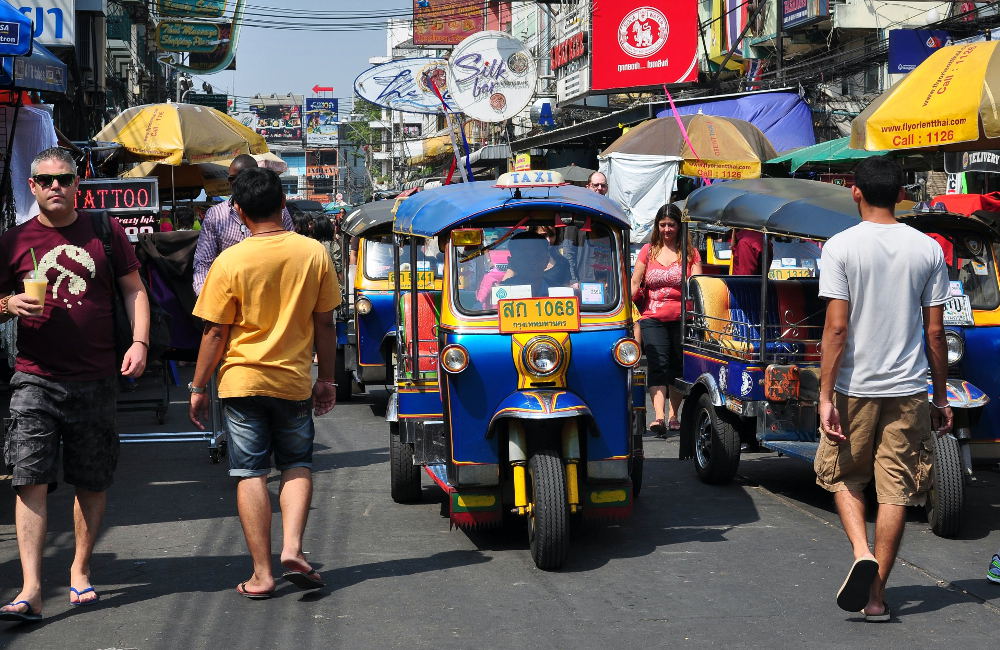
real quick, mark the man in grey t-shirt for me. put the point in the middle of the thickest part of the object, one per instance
(886, 285)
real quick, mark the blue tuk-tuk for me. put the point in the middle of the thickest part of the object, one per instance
(514, 385)
(752, 343)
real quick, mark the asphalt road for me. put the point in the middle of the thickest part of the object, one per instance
(752, 564)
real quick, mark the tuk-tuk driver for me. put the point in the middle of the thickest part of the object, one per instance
(529, 255)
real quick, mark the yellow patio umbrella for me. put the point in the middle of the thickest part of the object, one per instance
(949, 102)
(211, 177)
(175, 134)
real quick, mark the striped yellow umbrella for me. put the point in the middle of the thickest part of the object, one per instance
(175, 134)
(949, 102)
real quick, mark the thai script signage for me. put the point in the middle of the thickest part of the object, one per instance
(492, 76)
(54, 20)
(406, 85)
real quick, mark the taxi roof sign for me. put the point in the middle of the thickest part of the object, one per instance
(531, 178)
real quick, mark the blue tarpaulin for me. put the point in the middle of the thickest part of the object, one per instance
(783, 117)
(41, 70)
(15, 31)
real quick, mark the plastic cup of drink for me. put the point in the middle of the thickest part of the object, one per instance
(35, 288)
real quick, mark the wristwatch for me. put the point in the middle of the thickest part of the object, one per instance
(195, 390)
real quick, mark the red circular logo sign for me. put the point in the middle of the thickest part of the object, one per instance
(643, 32)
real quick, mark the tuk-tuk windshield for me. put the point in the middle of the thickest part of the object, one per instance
(378, 257)
(538, 262)
(970, 260)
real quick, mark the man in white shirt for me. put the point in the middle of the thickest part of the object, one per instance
(886, 285)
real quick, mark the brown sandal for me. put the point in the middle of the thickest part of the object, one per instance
(657, 427)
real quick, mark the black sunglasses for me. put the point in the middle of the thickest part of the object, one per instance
(45, 180)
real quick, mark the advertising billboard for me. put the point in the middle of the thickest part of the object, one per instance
(448, 23)
(798, 13)
(322, 121)
(406, 85)
(278, 122)
(492, 76)
(909, 47)
(644, 43)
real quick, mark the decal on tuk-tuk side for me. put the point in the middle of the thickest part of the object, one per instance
(539, 315)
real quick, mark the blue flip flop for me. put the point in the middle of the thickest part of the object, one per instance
(82, 603)
(20, 617)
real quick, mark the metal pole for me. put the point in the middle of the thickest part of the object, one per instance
(414, 320)
(763, 296)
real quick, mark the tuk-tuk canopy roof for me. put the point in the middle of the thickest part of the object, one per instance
(783, 206)
(368, 216)
(432, 211)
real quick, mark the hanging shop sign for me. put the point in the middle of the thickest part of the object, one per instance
(799, 13)
(406, 85)
(573, 48)
(210, 62)
(179, 36)
(322, 121)
(644, 43)
(492, 76)
(449, 23)
(957, 162)
(218, 101)
(909, 47)
(191, 8)
(119, 195)
(54, 20)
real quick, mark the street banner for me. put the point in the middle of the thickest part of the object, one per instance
(406, 85)
(640, 43)
(799, 13)
(908, 48)
(278, 122)
(492, 76)
(447, 23)
(191, 8)
(322, 121)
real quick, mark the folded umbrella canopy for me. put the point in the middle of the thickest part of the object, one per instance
(174, 134)
(948, 102)
(714, 147)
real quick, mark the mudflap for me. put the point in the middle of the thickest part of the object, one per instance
(607, 501)
(471, 508)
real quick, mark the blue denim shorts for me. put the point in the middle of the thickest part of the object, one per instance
(259, 426)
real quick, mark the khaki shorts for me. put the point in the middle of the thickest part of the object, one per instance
(888, 439)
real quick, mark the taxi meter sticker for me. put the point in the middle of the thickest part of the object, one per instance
(539, 315)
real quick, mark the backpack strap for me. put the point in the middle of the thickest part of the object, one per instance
(102, 227)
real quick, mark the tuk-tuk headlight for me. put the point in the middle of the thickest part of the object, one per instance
(543, 355)
(627, 352)
(363, 306)
(956, 347)
(454, 358)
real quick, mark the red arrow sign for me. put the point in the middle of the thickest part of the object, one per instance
(322, 89)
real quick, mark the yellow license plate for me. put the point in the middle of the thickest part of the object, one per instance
(425, 279)
(539, 315)
(785, 274)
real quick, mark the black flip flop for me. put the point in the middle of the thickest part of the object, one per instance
(304, 579)
(241, 589)
(658, 428)
(854, 593)
(26, 616)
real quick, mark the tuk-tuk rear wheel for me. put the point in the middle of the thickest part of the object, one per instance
(404, 476)
(716, 443)
(548, 516)
(947, 493)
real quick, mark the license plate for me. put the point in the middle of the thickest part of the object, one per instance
(785, 274)
(539, 315)
(958, 311)
(425, 279)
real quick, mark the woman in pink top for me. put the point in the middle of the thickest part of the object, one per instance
(658, 266)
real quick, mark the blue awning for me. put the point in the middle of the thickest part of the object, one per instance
(15, 31)
(41, 70)
(427, 213)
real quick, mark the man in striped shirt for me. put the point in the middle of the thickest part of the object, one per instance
(221, 227)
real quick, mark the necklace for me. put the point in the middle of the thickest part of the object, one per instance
(267, 232)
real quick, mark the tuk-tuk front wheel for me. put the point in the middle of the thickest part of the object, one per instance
(716, 443)
(947, 493)
(345, 382)
(404, 476)
(548, 515)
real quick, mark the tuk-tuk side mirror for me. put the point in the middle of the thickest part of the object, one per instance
(467, 237)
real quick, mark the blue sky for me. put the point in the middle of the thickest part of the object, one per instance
(283, 61)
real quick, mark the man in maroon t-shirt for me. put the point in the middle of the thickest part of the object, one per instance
(64, 385)
(748, 253)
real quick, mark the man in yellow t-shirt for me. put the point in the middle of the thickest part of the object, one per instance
(265, 301)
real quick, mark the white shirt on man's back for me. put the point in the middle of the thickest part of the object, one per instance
(888, 273)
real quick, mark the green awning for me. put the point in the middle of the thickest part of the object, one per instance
(834, 153)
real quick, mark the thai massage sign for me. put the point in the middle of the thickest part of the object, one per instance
(492, 76)
(177, 36)
(406, 85)
(640, 43)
